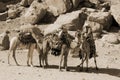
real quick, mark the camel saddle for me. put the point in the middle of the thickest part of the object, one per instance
(26, 37)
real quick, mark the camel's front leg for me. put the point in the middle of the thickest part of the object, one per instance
(95, 62)
(31, 50)
(65, 59)
(9, 57)
(61, 60)
(87, 59)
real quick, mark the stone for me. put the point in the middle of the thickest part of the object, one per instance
(111, 38)
(26, 2)
(100, 20)
(12, 13)
(57, 7)
(73, 21)
(115, 11)
(3, 16)
(35, 13)
(2, 7)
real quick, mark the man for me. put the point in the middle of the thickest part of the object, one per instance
(5, 41)
(64, 37)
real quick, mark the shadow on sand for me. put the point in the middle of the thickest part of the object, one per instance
(110, 71)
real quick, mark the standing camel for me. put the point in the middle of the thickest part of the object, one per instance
(30, 38)
(84, 49)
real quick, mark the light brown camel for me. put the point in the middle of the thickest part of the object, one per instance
(15, 42)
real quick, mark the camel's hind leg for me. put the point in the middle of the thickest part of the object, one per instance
(62, 56)
(30, 54)
(95, 62)
(13, 46)
(40, 52)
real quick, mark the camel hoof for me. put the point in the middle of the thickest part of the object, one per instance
(60, 70)
(18, 64)
(78, 65)
(97, 68)
(28, 65)
(31, 66)
(80, 69)
(86, 70)
(67, 69)
(41, 66)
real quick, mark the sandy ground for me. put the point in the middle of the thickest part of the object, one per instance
(108, 61)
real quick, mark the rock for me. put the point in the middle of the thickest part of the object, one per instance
(100, 20)
(51, 28)
(88, 10)
(75, 3)
(111, 38)
(13, 13)
(57, 7)
(2, 7)
(26, 2)
(95, 1)
(73, 20)
(102, 1)
(35, 13)
(3, 16)
(115, 9)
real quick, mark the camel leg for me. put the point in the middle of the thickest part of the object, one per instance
(61, 60)
(46, 59)
(82, 61)
(31, 50)
(95, 62)
(39, 50)
(65, 60)
(43, 59)
(87, 55)
(28, 58)
(40, 60)
(14, 57)
(9, 57)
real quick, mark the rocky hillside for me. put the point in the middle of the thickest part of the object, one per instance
(102, 15)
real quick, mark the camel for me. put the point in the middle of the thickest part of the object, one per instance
(35, 43)
(50, 42)
(84, 51)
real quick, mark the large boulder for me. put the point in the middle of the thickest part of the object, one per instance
(57, 7)
(73, 21)
(101, 20)
(14, 11)
(26, 2)
(51, 28)
(2, 7)
(35, 13)
(115, 9)
(95, 1)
